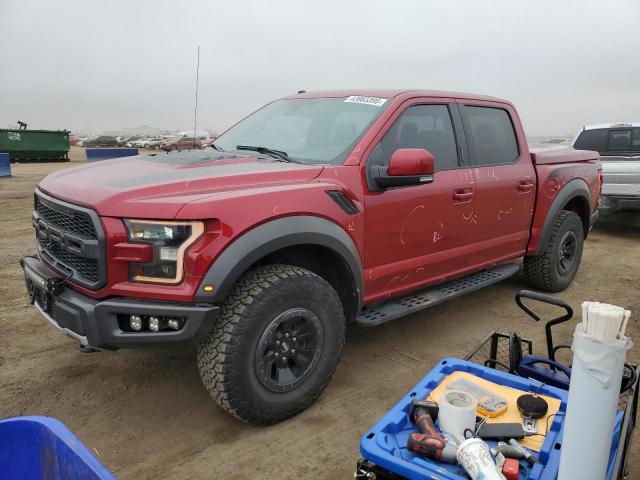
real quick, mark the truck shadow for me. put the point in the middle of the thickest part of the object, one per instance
(622, 224)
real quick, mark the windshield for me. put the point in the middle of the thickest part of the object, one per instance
(309, 130)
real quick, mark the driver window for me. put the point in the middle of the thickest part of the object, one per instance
(420, 126)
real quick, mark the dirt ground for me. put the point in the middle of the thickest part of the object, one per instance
(146, 415)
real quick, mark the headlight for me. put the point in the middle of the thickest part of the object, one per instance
(170, 240)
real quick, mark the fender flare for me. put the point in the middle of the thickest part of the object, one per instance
(270, 237)
(572, 189)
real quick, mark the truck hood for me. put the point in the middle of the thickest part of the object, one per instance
(158, 186)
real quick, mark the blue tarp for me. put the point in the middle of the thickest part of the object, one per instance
(5, 165)
(42, 448)
(95, 154)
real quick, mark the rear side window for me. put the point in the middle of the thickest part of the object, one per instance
(609, 140)
(492, 135)
(421, 126)
(619, 140)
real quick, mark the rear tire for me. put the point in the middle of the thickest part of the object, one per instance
(556, 267)
(275, 346)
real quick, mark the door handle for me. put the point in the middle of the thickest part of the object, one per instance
(525, 185)
(462, 195)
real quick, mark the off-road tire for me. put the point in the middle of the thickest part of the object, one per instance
(543, 271)
(226, 355)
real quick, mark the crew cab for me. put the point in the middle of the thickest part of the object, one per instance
(318, 210)
(619, 148)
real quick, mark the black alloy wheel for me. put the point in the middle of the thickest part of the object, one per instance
(289, 349)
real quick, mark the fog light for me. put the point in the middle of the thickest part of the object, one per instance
(135, 322)
(173, 324)
(154, 324)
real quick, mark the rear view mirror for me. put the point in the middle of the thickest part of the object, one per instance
(407, 166)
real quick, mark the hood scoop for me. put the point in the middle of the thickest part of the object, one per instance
(190, 157)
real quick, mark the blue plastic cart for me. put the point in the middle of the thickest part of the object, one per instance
(383, 447)
(42, 448)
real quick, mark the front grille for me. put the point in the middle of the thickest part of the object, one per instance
(87, 268)
(70, 240)
(76, 222)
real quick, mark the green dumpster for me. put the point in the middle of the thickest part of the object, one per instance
(35, 144)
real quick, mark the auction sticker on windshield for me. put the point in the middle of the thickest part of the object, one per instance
(376, 101)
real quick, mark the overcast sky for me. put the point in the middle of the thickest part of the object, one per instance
(92, 65)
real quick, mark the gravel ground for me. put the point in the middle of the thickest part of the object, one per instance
(146, 415)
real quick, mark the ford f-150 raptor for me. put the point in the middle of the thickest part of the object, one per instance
(319, 209)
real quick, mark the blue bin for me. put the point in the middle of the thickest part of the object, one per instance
(385, 443)
(5, 165)
(34, 448)
(95, 154)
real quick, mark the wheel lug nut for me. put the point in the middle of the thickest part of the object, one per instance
(293, 350)
(295, 339)
(277, 354)
(277, 342)
(286, 335)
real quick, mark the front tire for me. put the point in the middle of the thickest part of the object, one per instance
(556, 267)
(276, 344)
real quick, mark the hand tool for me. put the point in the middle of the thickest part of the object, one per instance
(429, 442)
(507, 450)
(431, 447)
(528, 456)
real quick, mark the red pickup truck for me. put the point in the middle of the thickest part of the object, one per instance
(318, 210)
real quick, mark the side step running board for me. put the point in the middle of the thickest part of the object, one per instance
(433, 295)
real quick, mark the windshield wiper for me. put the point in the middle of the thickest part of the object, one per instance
(215, 147)
(269, 151)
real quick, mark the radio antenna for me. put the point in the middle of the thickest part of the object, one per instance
(195, 109)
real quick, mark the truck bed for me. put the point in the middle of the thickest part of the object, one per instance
(550, 154)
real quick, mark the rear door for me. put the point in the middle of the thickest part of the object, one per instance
(505, 181)
(417, 235)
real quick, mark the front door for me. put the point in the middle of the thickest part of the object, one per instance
(417, 235)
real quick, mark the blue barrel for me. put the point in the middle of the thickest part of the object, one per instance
(42, 448)
(96, 154)
(5, 165)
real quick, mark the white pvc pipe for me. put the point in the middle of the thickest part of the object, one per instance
(599, 348)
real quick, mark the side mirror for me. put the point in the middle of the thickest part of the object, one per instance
(411, 161)
(407, 167)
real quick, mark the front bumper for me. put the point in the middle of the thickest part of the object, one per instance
(101, 324)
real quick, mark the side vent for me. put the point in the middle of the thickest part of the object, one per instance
(343, 202)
